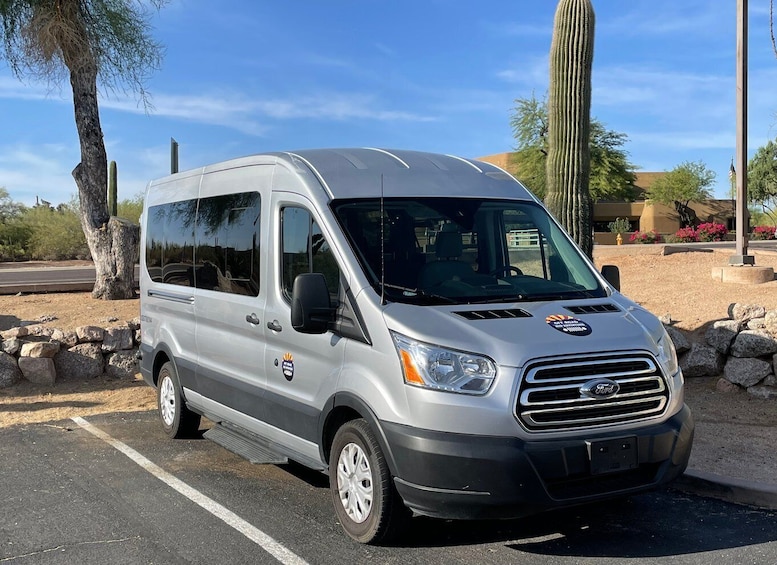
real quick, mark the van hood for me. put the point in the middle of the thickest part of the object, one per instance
(514, 333)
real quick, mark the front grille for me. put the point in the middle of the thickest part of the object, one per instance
(550, 398)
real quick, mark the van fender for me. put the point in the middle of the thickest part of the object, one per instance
(185, 376)
(355, 404)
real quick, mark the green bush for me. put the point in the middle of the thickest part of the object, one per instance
(131, 209)
(620, 225)
(56, 233)
(14, 240)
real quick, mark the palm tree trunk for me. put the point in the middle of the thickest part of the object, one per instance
(112, 242)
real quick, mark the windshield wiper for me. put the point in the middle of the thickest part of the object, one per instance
(499, 299)
(412, 292)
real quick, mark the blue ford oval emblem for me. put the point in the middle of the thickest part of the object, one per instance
(600, 388)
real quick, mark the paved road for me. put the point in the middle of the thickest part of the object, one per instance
(63, 279)
(69, 496)
(48, 279)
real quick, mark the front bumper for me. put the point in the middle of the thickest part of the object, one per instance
(457, 476)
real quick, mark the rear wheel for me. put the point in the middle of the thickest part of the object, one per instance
(366, 502)
(177, 420)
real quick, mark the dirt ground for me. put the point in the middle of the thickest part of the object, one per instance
(679, 285)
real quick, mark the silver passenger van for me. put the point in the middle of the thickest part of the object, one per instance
(416, 325)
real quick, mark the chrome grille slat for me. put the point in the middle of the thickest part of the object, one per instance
(549, 397)
(526, 395)
(650, 368)
(590, 420)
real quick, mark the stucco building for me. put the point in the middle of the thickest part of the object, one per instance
(642, 214)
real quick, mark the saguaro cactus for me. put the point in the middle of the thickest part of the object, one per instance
(113, 189)
(569, 120)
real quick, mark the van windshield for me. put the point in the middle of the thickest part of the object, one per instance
(464, 251)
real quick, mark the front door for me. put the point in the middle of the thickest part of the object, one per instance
(302, 369)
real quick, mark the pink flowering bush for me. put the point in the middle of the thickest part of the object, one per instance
(645, 237)
(763, 232)
(685, 235)
(711, 232)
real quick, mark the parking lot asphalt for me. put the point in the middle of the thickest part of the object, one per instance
(116, 490)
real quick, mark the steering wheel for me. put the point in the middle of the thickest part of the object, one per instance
(507, 269)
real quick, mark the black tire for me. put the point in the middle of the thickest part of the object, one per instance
(177, 420)
(358, 463)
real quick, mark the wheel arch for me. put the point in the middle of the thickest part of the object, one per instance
(162, 355)
(344, 407)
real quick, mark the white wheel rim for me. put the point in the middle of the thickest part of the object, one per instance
(354, 482)
(167, 400)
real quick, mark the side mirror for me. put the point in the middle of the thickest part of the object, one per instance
(311, 311)
(612, 275)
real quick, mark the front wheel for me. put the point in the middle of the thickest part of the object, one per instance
(366, 502)
(177, 420)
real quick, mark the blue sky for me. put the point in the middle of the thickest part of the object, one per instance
(242, 77)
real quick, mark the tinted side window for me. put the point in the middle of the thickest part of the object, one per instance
(305, 251)
(179, 243)
(155, 241)
(170, 242)
(228, 243)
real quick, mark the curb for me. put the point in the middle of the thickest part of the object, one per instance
(738, 491)
(43, 287)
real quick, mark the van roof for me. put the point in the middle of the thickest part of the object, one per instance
(372, 172)
(368, 172)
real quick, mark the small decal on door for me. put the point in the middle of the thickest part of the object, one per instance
(568, 325)
(287, 367)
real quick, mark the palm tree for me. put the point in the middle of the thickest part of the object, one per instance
(88, 41)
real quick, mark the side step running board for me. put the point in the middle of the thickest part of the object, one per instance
(245, 444)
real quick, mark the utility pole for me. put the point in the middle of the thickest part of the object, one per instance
(173, 156)
(742, 219)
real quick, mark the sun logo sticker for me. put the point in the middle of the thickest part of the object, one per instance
(568, 325)
(287, 366)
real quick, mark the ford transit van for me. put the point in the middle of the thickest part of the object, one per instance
(415, 325)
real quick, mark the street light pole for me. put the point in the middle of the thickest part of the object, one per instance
(742, 220)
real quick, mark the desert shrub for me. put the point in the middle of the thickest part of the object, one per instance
(620, 225)
(14, 233)
(56, 233)
(763, 232)
(711, 231)
(645, 237)
(130, 209)
(14, 240)
(685, 235)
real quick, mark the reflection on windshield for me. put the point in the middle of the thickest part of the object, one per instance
(464, 250)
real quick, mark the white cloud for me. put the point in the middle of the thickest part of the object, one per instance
(670, 18)
(43, 171)
(685, 140)
(239, 112)
(520, 29)
(529, 70)
(13, 88)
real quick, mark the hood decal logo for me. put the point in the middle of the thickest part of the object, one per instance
(568, 325)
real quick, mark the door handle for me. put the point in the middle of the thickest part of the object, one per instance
(274, 326)
(252, 319)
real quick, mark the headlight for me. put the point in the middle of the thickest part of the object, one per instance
(437, 368)
(667, 354)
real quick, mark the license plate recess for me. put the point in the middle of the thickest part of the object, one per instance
(612, 455)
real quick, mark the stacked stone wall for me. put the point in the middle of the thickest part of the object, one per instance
(742, 349)
(45, 355)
